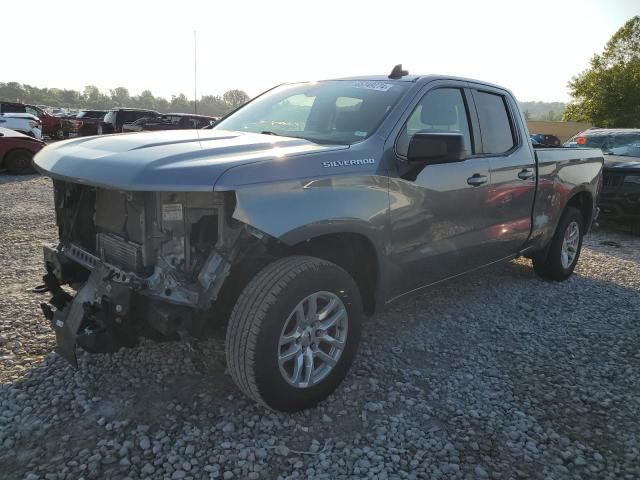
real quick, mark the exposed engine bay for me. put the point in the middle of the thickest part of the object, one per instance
(142, 263)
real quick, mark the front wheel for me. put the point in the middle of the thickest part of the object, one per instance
(294, 333)
(565, 247)
(19, 161)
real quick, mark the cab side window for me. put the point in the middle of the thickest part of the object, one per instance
(33, 111)
(440, 111)
(495, 124)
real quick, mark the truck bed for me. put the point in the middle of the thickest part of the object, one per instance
(562, 171)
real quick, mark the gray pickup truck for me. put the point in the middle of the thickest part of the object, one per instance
(300, 214)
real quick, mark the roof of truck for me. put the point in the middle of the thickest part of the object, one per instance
(416, 79)
(378, 78)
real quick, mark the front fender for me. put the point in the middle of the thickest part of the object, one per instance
(296, 210)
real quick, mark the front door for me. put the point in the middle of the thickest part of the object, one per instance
(439, 216)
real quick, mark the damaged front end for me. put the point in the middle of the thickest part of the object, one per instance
(141, 263)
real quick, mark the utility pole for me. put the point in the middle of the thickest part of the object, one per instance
(195, 73)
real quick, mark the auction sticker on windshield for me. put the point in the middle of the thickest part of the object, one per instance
(379, 86)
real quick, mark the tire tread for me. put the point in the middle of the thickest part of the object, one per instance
(250, 312)
(549, 268)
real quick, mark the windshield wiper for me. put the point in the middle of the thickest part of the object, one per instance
(269, 132)
(312, 140)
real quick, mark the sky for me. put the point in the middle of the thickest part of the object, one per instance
(532, 48)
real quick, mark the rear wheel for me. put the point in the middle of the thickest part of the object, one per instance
(294, 332)
(564, 251)
(19, 161)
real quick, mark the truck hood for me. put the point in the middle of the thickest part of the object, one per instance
(621, 164)
(174, 160)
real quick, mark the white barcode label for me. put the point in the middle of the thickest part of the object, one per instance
(172, 212)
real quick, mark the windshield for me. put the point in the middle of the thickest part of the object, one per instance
(626, 145)
(342, 112)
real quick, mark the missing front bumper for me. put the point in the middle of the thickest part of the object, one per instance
(96, 318)
(113, 308)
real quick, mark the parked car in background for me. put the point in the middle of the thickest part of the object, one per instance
(620, 198)
(310, 206)
(170, 121)
(52, 126)
(117, 117)
(86, 122)
(17, 151)
(22, 122)
(546, 139)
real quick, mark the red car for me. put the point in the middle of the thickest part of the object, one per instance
(17, 151)
(54, 127)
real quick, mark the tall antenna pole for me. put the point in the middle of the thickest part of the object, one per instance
(195, 72)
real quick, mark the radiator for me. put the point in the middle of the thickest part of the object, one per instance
(120, 252)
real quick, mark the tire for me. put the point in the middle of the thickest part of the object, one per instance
(554, 267)
(59, 134)
(259, 321)
(19, 161)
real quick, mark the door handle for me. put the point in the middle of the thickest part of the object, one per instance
(525, 174)
(476, 180)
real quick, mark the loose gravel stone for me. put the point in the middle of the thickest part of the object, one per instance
(493, 375)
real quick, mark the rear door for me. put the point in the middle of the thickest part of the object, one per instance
(512, 170)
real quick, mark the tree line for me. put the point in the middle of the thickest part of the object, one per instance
(92, 98)
(546, 111)
(607, 94)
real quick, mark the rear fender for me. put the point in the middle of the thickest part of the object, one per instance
(561, 176)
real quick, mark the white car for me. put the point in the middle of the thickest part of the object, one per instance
(23, 123)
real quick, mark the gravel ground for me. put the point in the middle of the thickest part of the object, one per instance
(496, 375)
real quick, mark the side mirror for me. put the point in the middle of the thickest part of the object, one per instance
(431, 148)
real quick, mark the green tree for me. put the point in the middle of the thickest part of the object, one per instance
(12, 91)
(213, 105)
(145, 100)
(235, 98)
(120, 97)
(93, 98)
(608, 93)
(181, 104)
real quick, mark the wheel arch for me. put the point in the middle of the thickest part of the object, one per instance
(3, 158)
(583, 201)
(353, 252)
